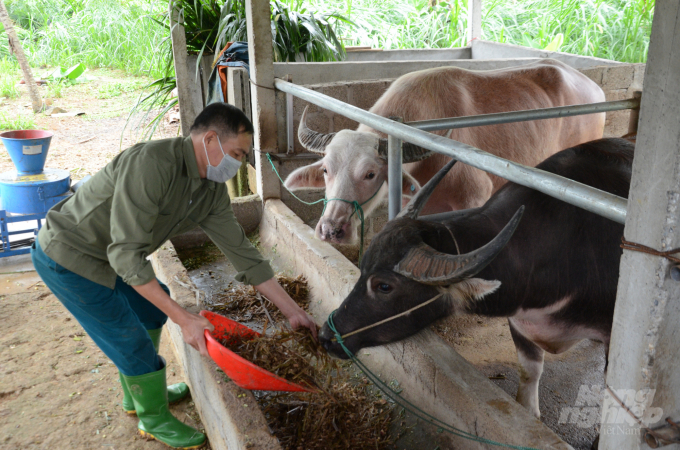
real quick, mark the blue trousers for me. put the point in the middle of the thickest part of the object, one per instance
(116, 319)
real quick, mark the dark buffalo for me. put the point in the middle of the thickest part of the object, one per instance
(555, 280)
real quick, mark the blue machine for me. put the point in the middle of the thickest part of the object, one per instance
(27, 193)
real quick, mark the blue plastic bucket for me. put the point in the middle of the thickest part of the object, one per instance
(28, 149)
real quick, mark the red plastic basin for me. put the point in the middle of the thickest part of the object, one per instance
(27, 134)
(242, 372)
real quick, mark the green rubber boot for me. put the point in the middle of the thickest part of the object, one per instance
(150, 396)
(176, 392)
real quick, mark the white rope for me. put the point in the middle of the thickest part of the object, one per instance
(409, 311)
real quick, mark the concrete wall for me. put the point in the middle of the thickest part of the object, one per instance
(618, 82)
(490, 50)
(332, 72)
(429, 54)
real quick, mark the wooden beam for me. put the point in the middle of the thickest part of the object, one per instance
(185, 88)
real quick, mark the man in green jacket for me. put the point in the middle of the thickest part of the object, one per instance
(93, 254)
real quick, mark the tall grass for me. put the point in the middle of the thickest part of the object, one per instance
(132, 35)
(99, 33)
(8, 78)
(16, 122)
(393, 24)
(612, 29)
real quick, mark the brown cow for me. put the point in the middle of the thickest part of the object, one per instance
(354, 166)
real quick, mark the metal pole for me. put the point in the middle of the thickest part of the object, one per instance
(634, 115)
(585, 197)
(523, 116)
(394, 157)
(289, 119)
(474, 20)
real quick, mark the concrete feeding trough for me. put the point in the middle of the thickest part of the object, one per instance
(432, 375)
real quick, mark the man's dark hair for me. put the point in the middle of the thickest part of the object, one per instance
(225, 119)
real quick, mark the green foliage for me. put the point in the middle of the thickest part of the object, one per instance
(69, 74)
(55, 88)
(99, 33)
(4, 42)
(296, 32)
(8, 78)
(133, 35)
(8, 87)
(8, 66)
(611, 29)
(299, 33)
(392, 24)
(16, 122)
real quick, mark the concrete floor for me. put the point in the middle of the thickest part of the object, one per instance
(487, 344)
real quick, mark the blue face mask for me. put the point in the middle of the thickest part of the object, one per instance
(225, 170)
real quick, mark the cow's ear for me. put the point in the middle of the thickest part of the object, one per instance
(470, 290)
(307, 176)
(409, 187)
(478, 288)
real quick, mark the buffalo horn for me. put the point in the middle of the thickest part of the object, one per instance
(428, 266)
(410, 152)
(312, 140)
(413, 208)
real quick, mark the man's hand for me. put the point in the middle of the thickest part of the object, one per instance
(278, 296)
(193, 327)
(302, 319)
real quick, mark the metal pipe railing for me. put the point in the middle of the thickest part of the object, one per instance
(523, 116)
(586, 197)
(290, 128)
(394, 157)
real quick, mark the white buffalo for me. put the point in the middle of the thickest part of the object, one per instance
(354, 166)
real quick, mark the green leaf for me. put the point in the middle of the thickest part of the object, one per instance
(555, 44)
(57, 74)
(75, 71)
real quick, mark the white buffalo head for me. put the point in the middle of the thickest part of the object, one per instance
(353, 168)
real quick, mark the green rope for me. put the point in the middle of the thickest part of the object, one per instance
(408, 406)
(358, 210)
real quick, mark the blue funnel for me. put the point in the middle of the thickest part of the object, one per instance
(28, 149)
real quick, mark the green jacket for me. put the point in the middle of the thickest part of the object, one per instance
(145, 196)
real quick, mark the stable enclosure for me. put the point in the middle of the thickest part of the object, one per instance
(434, 376)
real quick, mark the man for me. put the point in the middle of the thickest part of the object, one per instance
(92, 254)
